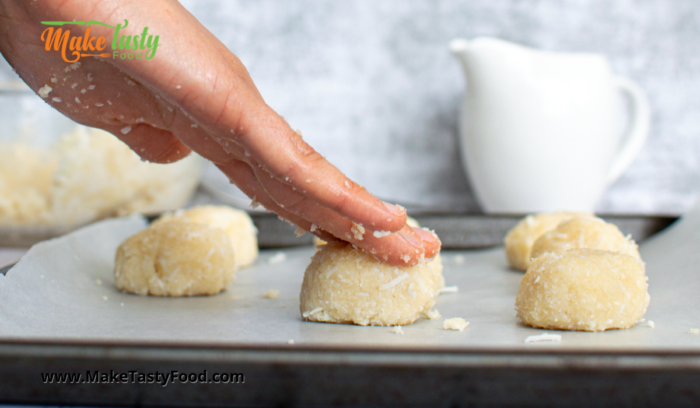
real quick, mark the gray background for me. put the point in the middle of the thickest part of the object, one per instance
(373, 87)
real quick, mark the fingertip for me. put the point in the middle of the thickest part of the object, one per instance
(430, 240)
(395, 216)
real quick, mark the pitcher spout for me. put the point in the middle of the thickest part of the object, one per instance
(462, 49)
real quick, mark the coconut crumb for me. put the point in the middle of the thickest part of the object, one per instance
(694, 331)
(99, 105)
(126, 129)
(54, 80)
(556, 338)
(432, 314)
(89, 76)
(271, 294)
(347, 184)
(44, 91)
(314, 227)
(455, 323)
(109, 102)
(357, 231)
(277, 258)
(254, 204)
(394, 281)
(77, 100)
(397, 330)
(448, 289)
(56, 99)
(91, 87)
(129, 81)
(650, 324)
(406, 258)
(381, 234)
(72, 66)
(299, 232)
(311, 312)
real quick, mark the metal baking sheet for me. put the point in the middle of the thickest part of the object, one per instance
(63, 290)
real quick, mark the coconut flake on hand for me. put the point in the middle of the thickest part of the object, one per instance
(44, 91)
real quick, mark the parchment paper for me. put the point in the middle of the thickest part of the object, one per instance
(53, 294)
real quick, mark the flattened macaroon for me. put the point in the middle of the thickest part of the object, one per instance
(519, 240)
(583, 289)
(584, 232)
(236, 223)
(175, 259)
(344, 284)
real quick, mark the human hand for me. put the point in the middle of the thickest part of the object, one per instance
(196, 95)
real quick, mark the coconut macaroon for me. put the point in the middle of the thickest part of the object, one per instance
(343, 284)
(236, 223)
(519, 240)
(175, 259)
(584, 232)
(583, 289)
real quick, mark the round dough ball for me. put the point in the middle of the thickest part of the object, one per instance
(344, 284)
(236, 223)
(175, 259)
(519, 240)
(584, 232)
(583, 289)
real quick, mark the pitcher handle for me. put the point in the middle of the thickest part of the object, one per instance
(638, 131)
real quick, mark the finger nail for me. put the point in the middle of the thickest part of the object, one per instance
(426, 235)
(397, 210)
(411, 239)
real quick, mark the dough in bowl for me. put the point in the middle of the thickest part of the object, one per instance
(583, 289)
(175, 259)
(584, 232)
(236, 223)
(344, 284)
(519, 240)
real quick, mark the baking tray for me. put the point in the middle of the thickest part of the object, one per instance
(487, 364)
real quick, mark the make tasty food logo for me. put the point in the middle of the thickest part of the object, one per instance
(73, 48)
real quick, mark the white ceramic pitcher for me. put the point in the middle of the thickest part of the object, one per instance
(540, 131)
